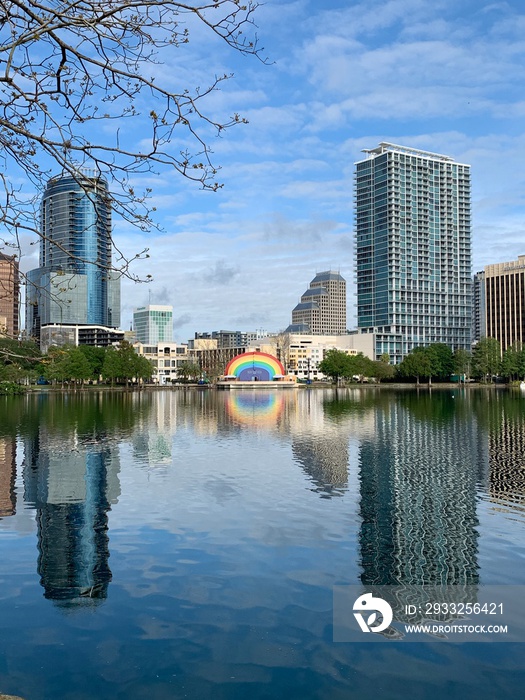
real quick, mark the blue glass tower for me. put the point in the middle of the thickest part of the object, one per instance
(74, 284)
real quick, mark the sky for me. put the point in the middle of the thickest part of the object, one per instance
(443, 76)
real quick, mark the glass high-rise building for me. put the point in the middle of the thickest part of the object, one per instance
(413, 249)
(153, 324)
(74, 284)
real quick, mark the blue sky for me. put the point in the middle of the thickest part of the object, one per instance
(443, 76)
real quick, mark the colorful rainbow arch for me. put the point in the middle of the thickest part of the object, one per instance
(258, 366)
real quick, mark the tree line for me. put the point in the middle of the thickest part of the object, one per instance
(436, 361)
(21, 361)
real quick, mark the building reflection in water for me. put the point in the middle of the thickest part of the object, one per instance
(418, 480)
(153, 432)
(7, 476)
(507, 463)
(72, 483)
(321, 445)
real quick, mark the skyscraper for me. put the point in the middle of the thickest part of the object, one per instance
(505, 302)
(479, 329)
(9, 295)
(322, 309)
(413, 250)
(153, 324)
(74, 285)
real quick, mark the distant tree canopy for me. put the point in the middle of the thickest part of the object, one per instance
(337, 364)
(486, 359)
(189, 370)
(18, 359)
(435, 360)
(68, 363)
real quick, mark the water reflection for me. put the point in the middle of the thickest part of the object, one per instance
(320, 446)
(418, 483)
(507, 462)
(7, 476)
(72, 487)
(256, 409)
(223, 560)
(70, 472)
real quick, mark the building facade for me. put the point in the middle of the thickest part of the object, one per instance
(301, 353)
(229, 339)
(505, 302)
(9, 295)
(166, 359)
(479, 329)
(322, 309)
(153, 324)
(413, 249)
(74, 283)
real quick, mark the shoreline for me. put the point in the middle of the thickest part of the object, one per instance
(33, 389)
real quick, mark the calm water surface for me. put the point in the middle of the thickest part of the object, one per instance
(185, 544)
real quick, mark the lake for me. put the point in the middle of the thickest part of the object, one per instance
(186, 544)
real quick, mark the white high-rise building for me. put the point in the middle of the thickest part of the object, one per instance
(153, 324)
(413, 249)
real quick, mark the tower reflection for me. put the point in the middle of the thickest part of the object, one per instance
(7, 476)
(418, 479)
(72, 482)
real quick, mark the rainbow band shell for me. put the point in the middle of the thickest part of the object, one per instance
(254, 365)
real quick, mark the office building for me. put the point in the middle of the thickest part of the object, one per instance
(153, 324)
(9, 295)
(479, 329)
(74, 283)
(229, 339)
(322, 309)
(505, 302)
(413, 249)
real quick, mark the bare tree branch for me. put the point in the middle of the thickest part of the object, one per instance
(66, 65)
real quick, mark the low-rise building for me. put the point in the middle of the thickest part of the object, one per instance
(301, 354)
(166, 359)
(99, 336)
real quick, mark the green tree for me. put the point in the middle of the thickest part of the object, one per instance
(95, 356)
(127, 361)
(336, 364)
(143, 367)
(462, 361)
(55, 364)
(111, 369)
(416, 364)
(76, 366)
(442, 360)
(486, 358)
(510, 362)
(382, 370)
(361, 366)
(18, 359)
(189, 370)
